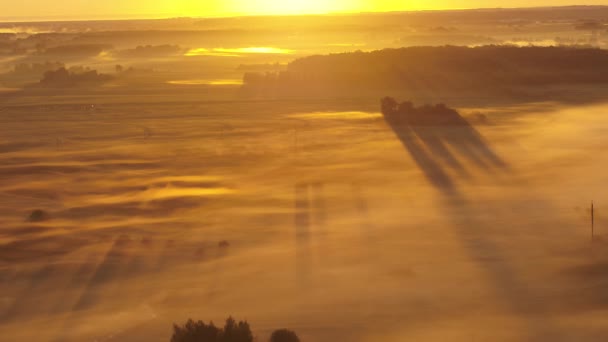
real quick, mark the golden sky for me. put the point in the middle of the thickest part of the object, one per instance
(84, 9)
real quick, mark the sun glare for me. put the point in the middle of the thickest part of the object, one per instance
(294, 7)
(222, 8)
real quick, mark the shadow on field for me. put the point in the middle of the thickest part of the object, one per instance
(111, 267)
(310, 217)
(435, 149)
(448, 144)
(302, 220)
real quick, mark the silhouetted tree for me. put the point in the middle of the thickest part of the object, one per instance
(236, 332)
(447, 68)
(284, 335)
(253, 79)
(38, 215)
(195, 332)
(388, 104)
(407, 113)
(58, 76)
(406, 107)
(75, 76)
(200, 332)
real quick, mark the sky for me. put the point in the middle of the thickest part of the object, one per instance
(93, 9)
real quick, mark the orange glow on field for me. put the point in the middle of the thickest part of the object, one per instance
(220, 82)
(237, 52)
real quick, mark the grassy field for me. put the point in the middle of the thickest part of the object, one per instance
(316, 216)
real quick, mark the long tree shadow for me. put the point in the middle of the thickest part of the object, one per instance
(438, 146)
(302, 222)
(23, 302)
(437, 137)
(428, 134)
(433, 171)
(310, 218)
(469, 142)
(513, 292)
(110, 268)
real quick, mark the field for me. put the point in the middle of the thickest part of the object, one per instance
(142, 185)
(316, 216)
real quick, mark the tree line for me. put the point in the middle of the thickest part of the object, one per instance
(233, 331)
(437, 68)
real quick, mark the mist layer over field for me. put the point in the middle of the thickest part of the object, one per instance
(336, 225)
(155, 171)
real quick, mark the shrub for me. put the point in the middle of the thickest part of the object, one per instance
(284, 335)
(38, 216)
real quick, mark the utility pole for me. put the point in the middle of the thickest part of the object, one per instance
(592, 222)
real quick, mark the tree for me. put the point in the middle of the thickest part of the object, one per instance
(60, 75)
(200, 332)
(284, 335)
(236, 332)
(195, 332)
(389, 105)
(406, 107)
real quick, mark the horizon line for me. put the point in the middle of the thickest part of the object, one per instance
(100, 18)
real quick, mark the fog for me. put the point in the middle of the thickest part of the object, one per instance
(163, 190)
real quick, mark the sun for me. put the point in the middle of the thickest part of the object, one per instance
(215, 8)
(241, 7)
(291, 7)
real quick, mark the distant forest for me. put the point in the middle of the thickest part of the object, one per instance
(447, 68)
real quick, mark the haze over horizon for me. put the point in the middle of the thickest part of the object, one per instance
(130, 9)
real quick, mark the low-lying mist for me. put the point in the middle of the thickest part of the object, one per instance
(153, 172)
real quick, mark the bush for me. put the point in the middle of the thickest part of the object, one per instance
(284, 335)
(38, 216)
